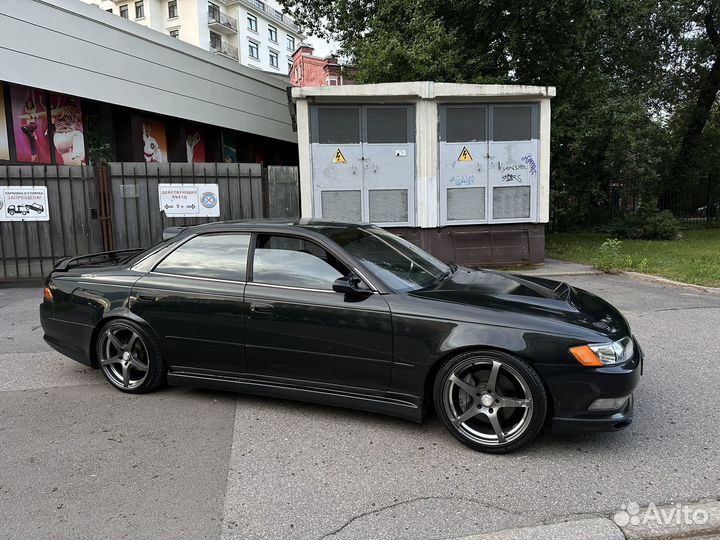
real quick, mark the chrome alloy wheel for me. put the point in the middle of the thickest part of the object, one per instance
(123, 356)
(488, 401)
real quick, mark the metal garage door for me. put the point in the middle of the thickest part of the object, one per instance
(363, 163)
(488, 163)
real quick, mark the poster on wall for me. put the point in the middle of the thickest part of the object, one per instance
(189, 200)
(24, 203)
(154, 141)
(30, 125)
(229, 147)
(194, 144)
(4, 140)
(68, 132)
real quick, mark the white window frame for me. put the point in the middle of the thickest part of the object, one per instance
(274, 55)
(252, 21)
(251, 44)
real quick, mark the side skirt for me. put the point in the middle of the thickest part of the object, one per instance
(376, 404)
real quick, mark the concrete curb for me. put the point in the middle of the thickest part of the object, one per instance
(665, 281)
(558, 273)
(652, 522)
(592, 528)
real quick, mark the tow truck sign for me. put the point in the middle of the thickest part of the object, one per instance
(189, 200)
(24, 203)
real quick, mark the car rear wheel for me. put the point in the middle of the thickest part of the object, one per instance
(129, 358)
(490, 401)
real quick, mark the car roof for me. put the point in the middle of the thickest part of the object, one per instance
(275, 224)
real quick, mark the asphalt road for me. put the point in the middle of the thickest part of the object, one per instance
(81, 460)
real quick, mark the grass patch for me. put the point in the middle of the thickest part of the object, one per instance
(693, 259)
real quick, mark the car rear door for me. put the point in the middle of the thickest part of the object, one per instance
(193, 299)
(299, 329)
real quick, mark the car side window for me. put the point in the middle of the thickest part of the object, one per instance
(216, 256)
(295, 262)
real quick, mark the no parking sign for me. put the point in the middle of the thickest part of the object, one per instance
(189, 200)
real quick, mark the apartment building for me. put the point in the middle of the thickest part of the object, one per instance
(255, 33)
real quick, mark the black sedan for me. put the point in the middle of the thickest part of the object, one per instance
(348, 315)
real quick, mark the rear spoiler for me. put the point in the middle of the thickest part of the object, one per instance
(92, 259)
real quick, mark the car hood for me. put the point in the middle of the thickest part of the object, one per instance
(528, 295)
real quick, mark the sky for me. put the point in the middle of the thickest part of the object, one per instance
(322, 47)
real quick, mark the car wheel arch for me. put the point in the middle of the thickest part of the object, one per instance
(127, 316)
(444, 358)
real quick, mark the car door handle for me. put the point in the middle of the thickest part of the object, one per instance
(146, 297)
(261, 308)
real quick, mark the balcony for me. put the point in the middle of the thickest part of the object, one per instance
(277, 16)
(226, 50)
(222, 23)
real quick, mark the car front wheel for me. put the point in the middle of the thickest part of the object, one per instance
(490, 401)
(129, 357)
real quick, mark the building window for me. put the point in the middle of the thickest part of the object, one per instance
(291, 43)
(274, 59)
(213, 11)
(139, 9)
(109, 10)
(272, 33)
(175, 33)
(215, 41)
(253, 50)
(278, 15)
(172, 9)
(124, 12)
(252, 22)
(290, 66)
(298, 73)
(260, 4)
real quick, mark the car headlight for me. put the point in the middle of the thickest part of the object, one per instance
(604, 354)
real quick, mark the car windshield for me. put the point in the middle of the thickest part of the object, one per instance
(398, 263)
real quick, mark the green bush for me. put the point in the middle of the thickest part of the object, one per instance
(647, 226)
(608, 257)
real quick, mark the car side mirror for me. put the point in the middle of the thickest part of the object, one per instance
(352, 285)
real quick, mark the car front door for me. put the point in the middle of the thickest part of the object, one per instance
(193, 300)
(299, 330)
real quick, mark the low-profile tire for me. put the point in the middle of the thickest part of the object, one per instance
(129, 357)
(490, 401)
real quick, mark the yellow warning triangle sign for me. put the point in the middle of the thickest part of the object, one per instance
(465, 155)
(339, 158)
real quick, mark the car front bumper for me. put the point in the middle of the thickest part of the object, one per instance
(574, 390)
(610, 421)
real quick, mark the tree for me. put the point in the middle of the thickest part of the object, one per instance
(699, 39)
